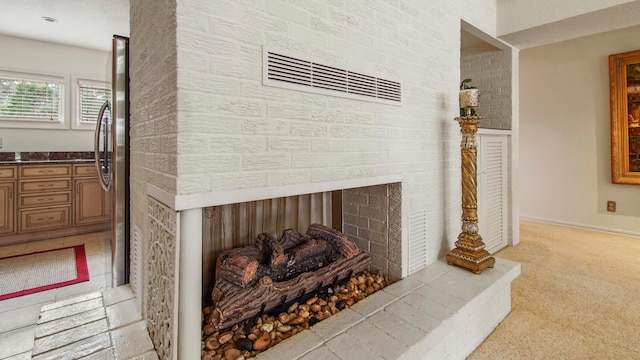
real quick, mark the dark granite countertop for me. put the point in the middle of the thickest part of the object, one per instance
(40, 162)
(29, 158)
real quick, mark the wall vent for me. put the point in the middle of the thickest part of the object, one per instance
(137, 261)
(296, 73)
(417, 241)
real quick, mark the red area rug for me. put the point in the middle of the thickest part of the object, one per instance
(44, 270)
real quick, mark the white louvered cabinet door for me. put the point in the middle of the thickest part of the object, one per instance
(492, 190)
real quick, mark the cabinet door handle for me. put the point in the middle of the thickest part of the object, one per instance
(45, 185)
(45, 171)
(47, 199)
(47, 218)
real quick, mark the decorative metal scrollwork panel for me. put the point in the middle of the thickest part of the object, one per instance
(161, 265)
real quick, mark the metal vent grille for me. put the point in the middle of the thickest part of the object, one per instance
(137, 261)
(288, 69)
(291, 72)
(417, 241)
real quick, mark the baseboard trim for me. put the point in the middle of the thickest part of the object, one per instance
(582, 226)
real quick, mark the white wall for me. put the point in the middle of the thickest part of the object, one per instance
(31, 56)
(153, 132)
(565, 138)
(236, 133)
(233, 133)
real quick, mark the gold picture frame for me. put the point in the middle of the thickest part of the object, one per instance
(624, 87)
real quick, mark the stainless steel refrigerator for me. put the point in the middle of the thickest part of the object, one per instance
(111, 143)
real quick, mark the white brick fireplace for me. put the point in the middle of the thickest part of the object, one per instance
(205, 131)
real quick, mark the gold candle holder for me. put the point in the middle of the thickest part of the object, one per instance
(469, 252)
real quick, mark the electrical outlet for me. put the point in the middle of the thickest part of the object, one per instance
(611, 206)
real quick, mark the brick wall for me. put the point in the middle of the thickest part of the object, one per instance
(236, 133)
(203, 122)
(491, 73)
(371, 218)
(153, 145)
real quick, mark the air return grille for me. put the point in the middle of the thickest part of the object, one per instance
(295, 73)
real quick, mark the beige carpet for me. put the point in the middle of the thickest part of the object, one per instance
(578, 297)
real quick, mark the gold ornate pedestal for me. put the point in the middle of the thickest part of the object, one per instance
(469, 252)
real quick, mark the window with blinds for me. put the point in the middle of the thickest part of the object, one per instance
(91, 96)
(31, 98)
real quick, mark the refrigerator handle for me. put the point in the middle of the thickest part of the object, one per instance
(102, 167)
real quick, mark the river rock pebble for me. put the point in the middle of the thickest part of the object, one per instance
(262, 342)
(268, 327)
(211, 343)
(225, 337)
(296, 320)
(250, 337)
(312, 300)
(244, 344)
(232, 354)
(283, 318)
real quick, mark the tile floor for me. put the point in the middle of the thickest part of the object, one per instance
(28, 324)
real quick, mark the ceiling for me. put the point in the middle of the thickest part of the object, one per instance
(84, 23)
(595, 22)
(470, 44)
(91, 23)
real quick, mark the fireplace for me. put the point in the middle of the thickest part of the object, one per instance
(430, 307)
(369, 216)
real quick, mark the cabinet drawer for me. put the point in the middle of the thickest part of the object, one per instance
(40, 171)
(45, 185)
(42, 219)
(7, 172)
(33, 200)
(85, 170)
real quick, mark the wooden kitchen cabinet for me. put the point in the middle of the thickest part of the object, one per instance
(7, 207)
(46, 186)
(44, 218)
(39, 201)
(91, 204)
(39, 186)
(45, 171)
(7, 199)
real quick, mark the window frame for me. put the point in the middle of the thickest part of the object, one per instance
(77, 123)
(61, 80)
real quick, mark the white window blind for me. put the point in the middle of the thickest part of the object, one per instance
(91, 96)
(31, 98)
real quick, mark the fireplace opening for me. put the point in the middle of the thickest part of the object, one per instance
(352, 248)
